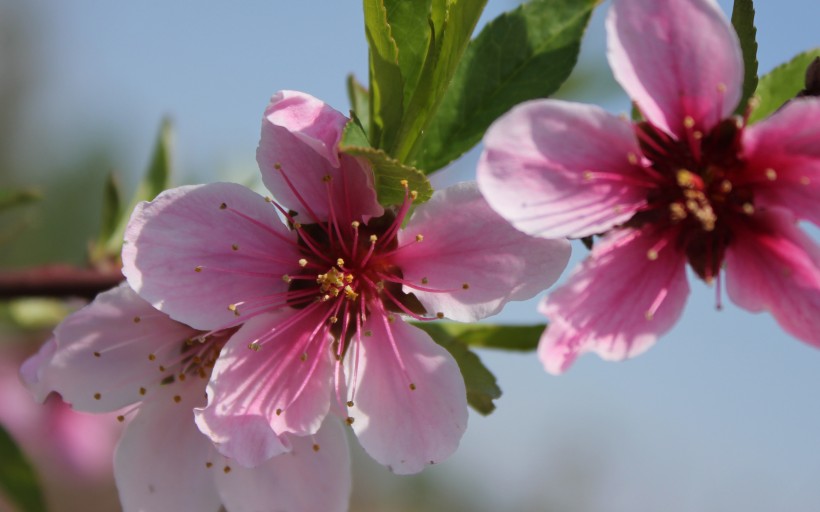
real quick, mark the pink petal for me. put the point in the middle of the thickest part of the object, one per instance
(33, 370)
(787, 143)
(193, 258)
(676, 58)
(772, 265)
(313, 477)
(300, 139)
(410, 403)
(617, 302)
(466, 243)
(107, 355)
(161, 461)
(248, 386)
(557, 169)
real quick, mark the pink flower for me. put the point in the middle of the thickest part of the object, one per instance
(320, 298)
(691, 184)
(120, 352)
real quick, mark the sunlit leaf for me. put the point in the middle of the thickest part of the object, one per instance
(411, 31)
(13, 198)
(505, 337)
(523, 54)
(481, 385)
(389, 173)
(17, 478)
(359, 101)
(743, 19)
(781, 84)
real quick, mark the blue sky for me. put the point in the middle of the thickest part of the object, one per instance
(721, 415)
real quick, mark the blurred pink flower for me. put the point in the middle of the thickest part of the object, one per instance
(60, 442)
(120, 352)
(690, 184)
(321, 297)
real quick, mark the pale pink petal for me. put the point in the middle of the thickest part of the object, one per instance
(557, 169)
(476, 258)
(410, 403)
(196, 250)
(676, 58)
(283, 387)
(300, 139)
(33, 369)
(773, 266)
(161, 463)
(617, 302)
(108, 354)
(313, 477)
(783, 156)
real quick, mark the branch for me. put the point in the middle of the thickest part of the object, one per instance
(57, 281)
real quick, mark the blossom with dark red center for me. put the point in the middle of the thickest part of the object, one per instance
(120, 354)
(690, 184)
(318, 282)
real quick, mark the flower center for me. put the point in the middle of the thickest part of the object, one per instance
(336, 282)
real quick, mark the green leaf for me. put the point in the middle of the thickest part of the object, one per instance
(506, 337)
(14, 198)
(17, 478)
(410, 29)
(359, 101)
(157, 178)
(743, 19)
(481, 385)
(389, 172)
(111, 216)
(781, 84)
(386, 83)
(453, 22)
(523, 54)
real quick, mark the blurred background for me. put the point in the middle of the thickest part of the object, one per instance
(723, 414)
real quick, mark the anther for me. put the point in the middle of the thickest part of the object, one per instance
(315, 447)
(632, 158)
(254, 346)
(350, 403)
(587, 175)
(649, 315)
(340, 262)
(234, 247)
(748, 208)
(97, 396)
(412, 387)
(143, 391)
(227, 469)
(277, 166)
(424, 280)
(391, 318)
(439, 315)
(303, 262)
(355, 224)
(368, 333)
(373, 239)
(697, 135)
(771, 174)
(198, 268)
(465, 286)
(688, 122)
(721, 87)
(725, 186)
(137, 319)
(414, 194)
(327, 178)
(161, 368)
(223, 206)
(333, 319)
(804, 180)
(152, 357)
(97, 354)
(120, 418)
(286, 278)
(404, 183)
(419, 237)
(303, 357)
(268, 199)
(278, 412)
(209, 465)
(652, 254)
(177, 398)
(349, 420)
(297, 226)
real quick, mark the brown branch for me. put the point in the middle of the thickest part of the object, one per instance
(57, 281)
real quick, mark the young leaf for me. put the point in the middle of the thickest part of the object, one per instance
(359, 101)
(506, 337)
(386, 84)
(17, 478)
(481, 385)
(523, 54)
(743, 19)
(389, 172)
(453, 22)
(781, 84)
(110, 217)
(13, 198)
(411, 31)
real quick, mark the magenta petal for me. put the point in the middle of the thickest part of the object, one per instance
(313, 477)
(475, 257)
(676, 58)
(772, 265)
(617, 302)
(410, 404)
(783, 156)
(196, 250)
(108, 354)
(161, 461)
(257, 395)
(299, 148)
(557, 169)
